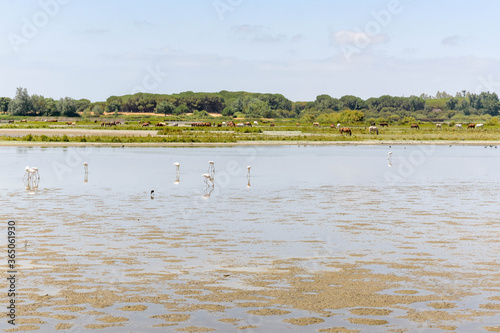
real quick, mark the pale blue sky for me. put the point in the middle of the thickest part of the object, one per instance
(96, 48)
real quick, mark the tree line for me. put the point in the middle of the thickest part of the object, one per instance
(242, 103)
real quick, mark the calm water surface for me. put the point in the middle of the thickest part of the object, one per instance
(299, 202)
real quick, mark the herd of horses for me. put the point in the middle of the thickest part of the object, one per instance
(372, 129)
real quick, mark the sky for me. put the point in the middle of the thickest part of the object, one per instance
(95, 49)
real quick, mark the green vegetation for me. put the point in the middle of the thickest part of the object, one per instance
(464, 106)
(292, 120)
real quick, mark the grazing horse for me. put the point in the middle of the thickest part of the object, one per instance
(373, 129)
(272, 125)
(438, 125)
(479, 125)
(145, 124)
(415, 126)
(345, 130)
(161, 124)
(458, 126)
(24, 120)
(316, 124)
(471, 126)
(11, 121)
(248, 124)
(384, 125)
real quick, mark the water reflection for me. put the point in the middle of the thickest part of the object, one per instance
(31, 178)
(177, 173)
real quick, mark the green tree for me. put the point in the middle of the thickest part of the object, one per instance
(452, 103)
(21, 105)
(351, 116)
(98, 110)
(4, 104)
(113, 106)
(228, 111)
(257, 107)
(165, 107)
(67, 107)
(181, 109)
(352, 102)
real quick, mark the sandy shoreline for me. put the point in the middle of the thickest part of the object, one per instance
(245, 143)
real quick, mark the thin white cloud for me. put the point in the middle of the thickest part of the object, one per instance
(451, 40)
(257, 33)
(343, 37)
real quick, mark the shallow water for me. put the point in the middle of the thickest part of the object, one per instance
(434, 207)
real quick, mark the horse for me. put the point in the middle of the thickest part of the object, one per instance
(438, 125)
(373, 129)
(255, 123)
(145, 124)
(415, 126)
(338, 126)
(297, 124)
(272, 125)
(458, 126)
(479, 125)
(11, 121)
(161, 124)
(24, 120)
(384, 125)
(248, 124)
(471, 126)
(345, 130)
(316, 124)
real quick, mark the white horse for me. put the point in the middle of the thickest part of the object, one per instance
(458, 125)
(479, 125)
(373, 129)
(438, 125)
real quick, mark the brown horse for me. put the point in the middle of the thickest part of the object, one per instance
(384, 125)
(316, 124)
(471, 126)
(415, 126)
(345, 130)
